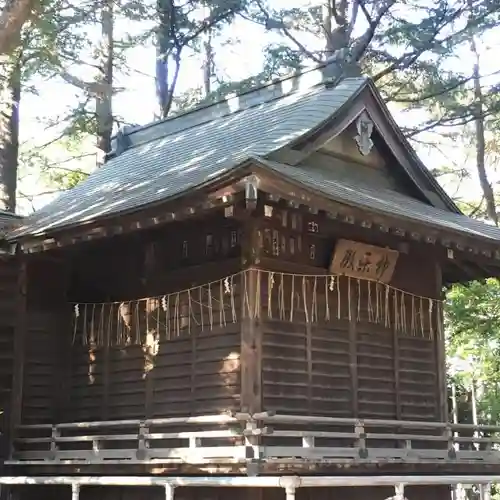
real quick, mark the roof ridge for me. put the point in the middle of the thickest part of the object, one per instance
(273, 90)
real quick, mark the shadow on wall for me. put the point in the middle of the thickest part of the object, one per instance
(185, 346)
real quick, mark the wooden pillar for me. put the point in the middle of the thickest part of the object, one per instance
(397, 367)
(63, 338)
(149, 270)
(251, 329)
(353, 345)
(441, 352)
(20, 334)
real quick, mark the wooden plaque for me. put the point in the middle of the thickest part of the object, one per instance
(363, 261)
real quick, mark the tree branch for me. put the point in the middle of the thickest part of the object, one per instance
(362, 43)
(281, 26)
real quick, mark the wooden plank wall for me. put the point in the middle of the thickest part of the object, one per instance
(192, 375)
(39, 365)
(8, 294)
(44, 356)
(344, 368)
(340, 367)
(194, 372)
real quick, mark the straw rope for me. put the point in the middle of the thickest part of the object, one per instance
(277, 296)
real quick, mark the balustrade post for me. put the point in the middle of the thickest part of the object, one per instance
(75, 491)
(485, 491)
(361, 441)
(143, 444)
(290, 484)
(53, 442)
(400, 492)
(169, 491)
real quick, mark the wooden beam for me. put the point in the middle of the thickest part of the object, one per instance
(150, 262)
(440, 352)
(251, 330)
(397, 383)
(353, 351)
(20, 334)
(290, 191)
(188, 207)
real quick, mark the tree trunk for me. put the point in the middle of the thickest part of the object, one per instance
(12, 19)
(488, 193)
(208, 63)
(104, 109)
(10, 95)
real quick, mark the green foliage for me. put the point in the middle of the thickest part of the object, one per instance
(473, 336)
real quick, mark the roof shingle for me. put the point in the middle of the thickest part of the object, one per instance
(177, 155)
(343, 188)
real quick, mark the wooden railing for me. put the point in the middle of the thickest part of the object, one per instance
(266, 438)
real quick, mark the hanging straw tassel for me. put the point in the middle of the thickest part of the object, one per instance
(146, 312)
(92, 339)
(270, 285)
(431, 323)
(85, 334)
(387, 308)
(440, 319)
(304, 297)
(396, 312)
(258, 295)
(119, 326)
(292, 298)
(314, 304)
(109, 329)
(371, 316)
(233, 305)
(190, 311)
(165, 304)
(135, 323)
(177, 314)
(327, 298)
(338, 299)
(222, 313)
(413, 317)
(158, 312)
(402, 303)
(76, 315)
(358, 314)
(210, 309)
(422, 328)
(202, 313)
(349, 298)
(281, 297)
(377, 303)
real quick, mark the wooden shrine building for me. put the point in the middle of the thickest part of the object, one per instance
(249, 294)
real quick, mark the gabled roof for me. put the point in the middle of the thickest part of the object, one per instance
(178, 154)
(335, 186)
(165, 160)
(8, 220)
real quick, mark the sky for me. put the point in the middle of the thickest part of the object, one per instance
(237, 60)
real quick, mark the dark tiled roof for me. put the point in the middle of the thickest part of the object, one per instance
(343, 188)
(8, 220)
(177, 155)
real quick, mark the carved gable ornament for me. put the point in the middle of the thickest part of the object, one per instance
(364, 126)
(359, 260)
